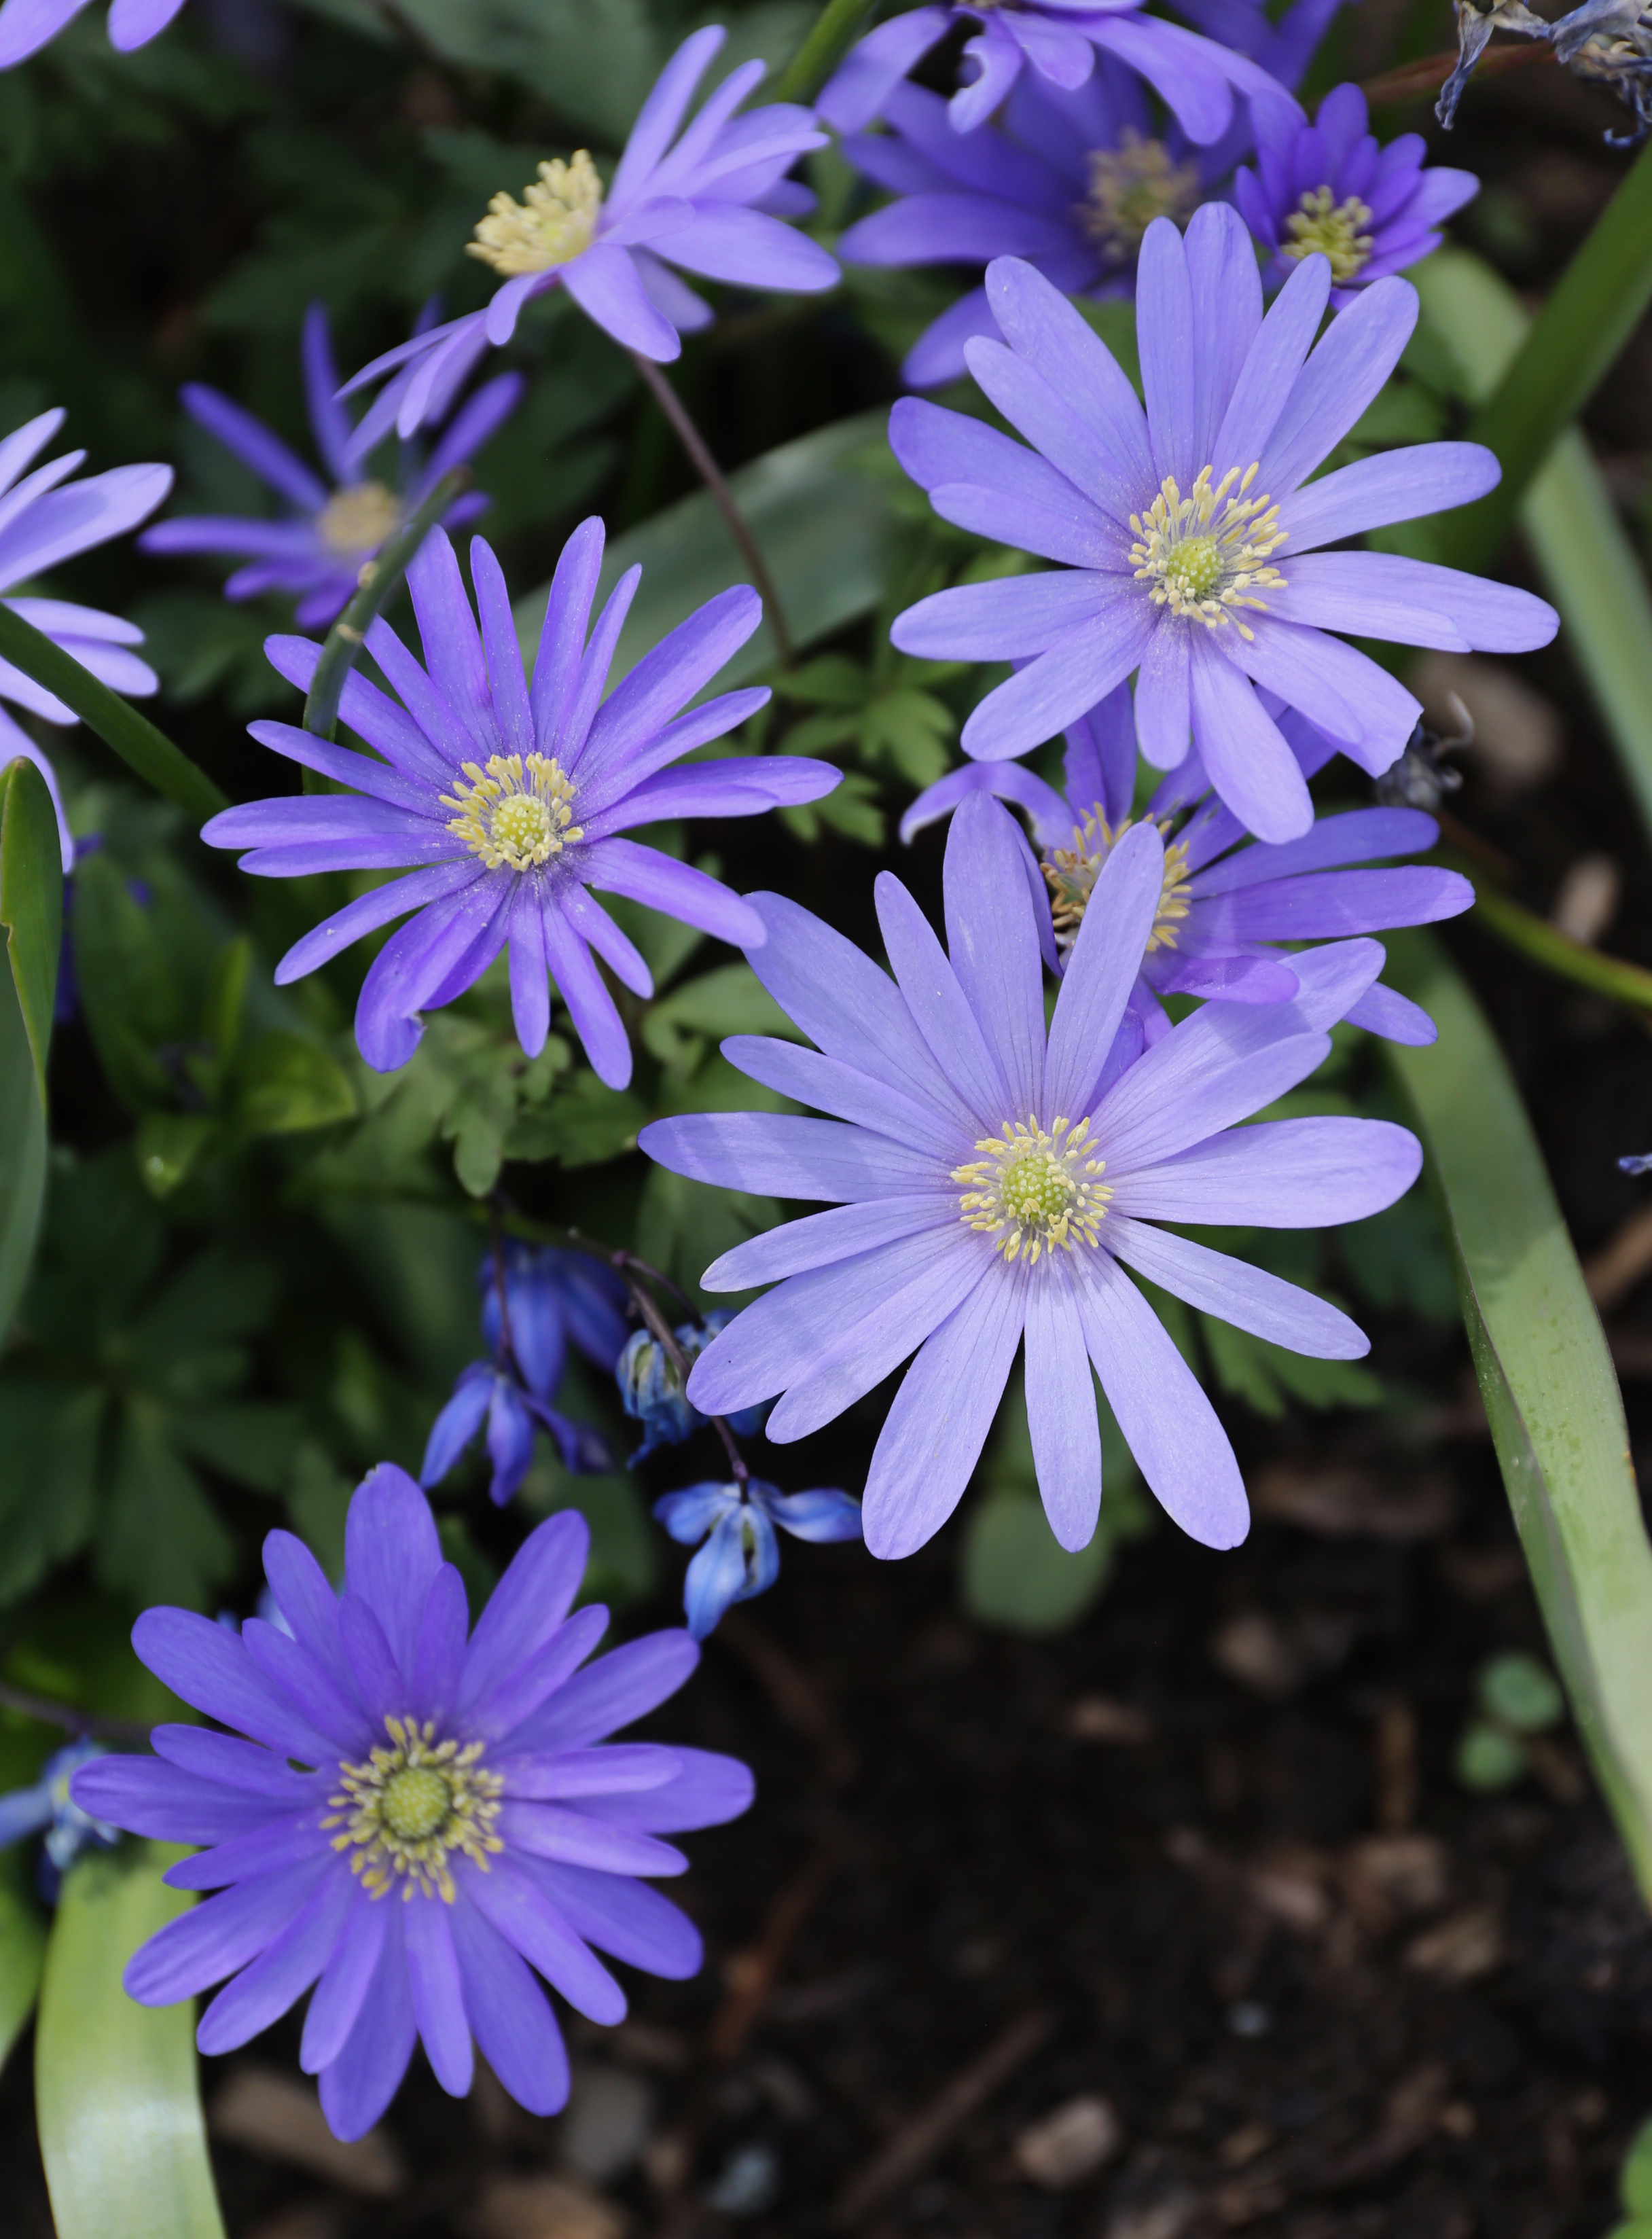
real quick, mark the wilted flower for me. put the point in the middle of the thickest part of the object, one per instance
(990, 1177)
(388, 1757)
(511, 802)
(550, 1296)
(1194, 78)
(48, 1809)
(1069, 180)
(742, 1556)
(1610, 41)
(1225, 906)
(651, 1391)
(28, 25)
(1331, 186)
(41, 525)
(317, 554)
(1474, 27)
(711, 204)
(1189, 530)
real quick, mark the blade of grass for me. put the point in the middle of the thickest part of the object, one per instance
(116, 722)
(1571, 346)
(1546, 1377)
(1590, 568)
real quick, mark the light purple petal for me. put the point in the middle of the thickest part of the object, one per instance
(281, 1972)
(1063, 683)
(1250, 764)
(780, 1156)
(1105, 959)
(361, 2082)
(1061, 1405)
(209, 1669)
(819, 1240)
(345, 1980)
(1391, 486)
(218, 1937)
(1235, 1292)
(612, 1692)
(515, 1898)
(527, 1606)
(438, 1995)
(1281, 1173)
(392, 1555)
(1215, 1068)
(607, 288)
(511, 2015)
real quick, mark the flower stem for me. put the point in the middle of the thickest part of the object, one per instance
(378, 578)
(1411, 81)
(666, 1338)
(827, 41)
(722, 497)
(1545, 944)
(66, 1715)
(507, 1343)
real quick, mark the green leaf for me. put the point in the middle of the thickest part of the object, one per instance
(584, 1124)
(1267, 1376)
(1519, 1693)
(133, 737)
(167, 1146)
(1587, 319)
(624, 1564)
(1546, 1377)
(22, 1945)
(285, 1083)
(49, 1435)
(1589, 568)
(31, 903)
(22, 1152)
(730, 1001)
(1635, 2179)
(1015, 1572)
(115, 2084)
(1488, 1759)
(159, 1538)
(821, 524)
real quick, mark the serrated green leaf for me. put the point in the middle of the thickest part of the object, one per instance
(822, 526)
(159, 1538)
(285, 1083)
(116, 2088)
(584, 1124)
(49, 1436)
(31, 903)
(1546, 1377)
(730, 1001)
(23, 1946)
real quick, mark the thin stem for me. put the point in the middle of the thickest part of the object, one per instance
(827, 41)
(1547, 945)
(1413, 80)
(66, 1715)
(507, 1343)
(722, 497)
(378, 578)
(666, 1338)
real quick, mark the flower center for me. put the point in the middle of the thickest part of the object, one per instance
(409, 1805)
(1130, 186)
(1205, 555)
(358, 519)
(1335, 230)
(552, 225)
(1033, 1189)
(514, 813)
(1071, 874)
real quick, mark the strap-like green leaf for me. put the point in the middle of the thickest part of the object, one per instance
(1559, 364)
(116, 2083)
(1546, 1377)
(133, 737)
(31, 902)
(828, 41)
(822, 527)
(23, 1946)
(1590, 569)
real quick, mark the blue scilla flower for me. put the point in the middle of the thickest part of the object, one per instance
(48, 1809)
(549, 1297)
(741, 1556)
(652, 1393)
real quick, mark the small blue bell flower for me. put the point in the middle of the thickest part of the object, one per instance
(652, 1393)
(48, 1809)
(741, 1556)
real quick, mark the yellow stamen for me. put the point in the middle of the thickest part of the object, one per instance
(1205, 555)
(553, 225)
(358, 519)
(514, 813)
(1033, 1189)
(1130, 186)
(409, 1805)
(1071, 874)
(1335, 230)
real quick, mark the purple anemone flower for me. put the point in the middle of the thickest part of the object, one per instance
(41, 524)
(1189, 530)
(416, 1821)
(480, 785)
(28, 25)
(1195, 76)
(1331, 186)
(550, 1296)
(317, 554)
(991, 1178)
(741, 1556)
(1070, 181)
(711, 204)
(1225, 906)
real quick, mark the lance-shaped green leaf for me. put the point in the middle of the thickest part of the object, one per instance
(822, 525)
(133, 737)
(1545, 382)
(31, 917)
(1589, 568)
(116, 2089)
(1551, 1395)
(23, 1946)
